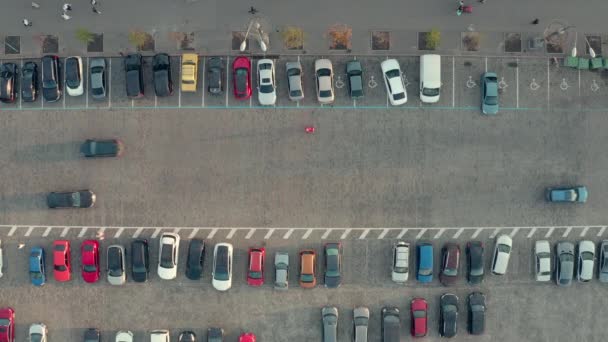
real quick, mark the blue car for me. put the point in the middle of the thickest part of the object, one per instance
(425, 262)
(489, 93)
(576, 194)
(37, 269)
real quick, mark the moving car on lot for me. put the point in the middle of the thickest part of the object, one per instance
(117, 269)
(92, 335)
(73, 76)
(196, 259)
(574, 194)
(241, 77)
(215, 335)
(216, 76)
(97, 69)
(477, 313)
(189, 72)
(542, 264)
(8, 76)
(391, 324)
(419, 311)
(140, 260)
(450, 263)
(308, 268)
(37, 267)
(330, 323)
(448, 315)
(603, 262)
(124, 336)
(489, 93)
(134, 76)
(586, 259)
(401, 262)
(281, 273)
(393, 81)
(89, 255)
(7, 324)
(29, 82)
(255, 271)
(502, 252)
(267, 91)
(62, 260)
(161, 72)
(360, 324)
(37, 332)
(294, 81)
(324, 75)
(71, 199)
(187, 336)
(475, 257)
(425, 262)
(333, 264)
(222, 267)
(93, 148)
(564, 263)
(168, 253)
(354, 72)
(247, 337)
(51, 84)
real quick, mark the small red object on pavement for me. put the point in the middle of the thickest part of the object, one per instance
(310, 129)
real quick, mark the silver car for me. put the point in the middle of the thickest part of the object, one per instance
(294, 81)
(117, 274)
(401, 262)
(330, 323)
(37, 332)
(542, 256)
(281, 267)
(603, 271)
(564, 263)
(586, 258)
(361, 323)
(98, 78)
(124, 336)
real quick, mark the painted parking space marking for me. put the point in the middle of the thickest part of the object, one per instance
(82, 232)
(212, 233)
(269, 233)
(118, 233)
(420, 233)
(345, 234)
(65, 231)
(231, 233)
(383, 233)
(193, 233)
(601, 232)
(156, 232)
(250, 233)
(288, 234)
(326, 234)
(549, 232)
(531, 232)
(567, 232)
(494, 233)
(402, 233)
(137, 232)
(477, 231)
(12, 231)
(439, 233)
(176, 230)
(29, 231)
(458, 232)
(514, 232)
(364, 234)
(307, 234)
(101, 233)
(47, 231)
(584, 231)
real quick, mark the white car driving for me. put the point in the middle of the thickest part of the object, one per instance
(324, 74)
(542, 262)
(168, 252)
(586, 260)
(502, 252)
(267, 91)
(394, 82)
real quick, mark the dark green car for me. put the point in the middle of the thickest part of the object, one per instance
(102, 148)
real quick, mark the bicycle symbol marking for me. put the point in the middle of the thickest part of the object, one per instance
(594, 86)
(502, 84)
(470, 82)
(405, 81)
(339, 82)
(533, 85)
(564, 85)
(372, 82)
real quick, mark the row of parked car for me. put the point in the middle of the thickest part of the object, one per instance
(565, 260)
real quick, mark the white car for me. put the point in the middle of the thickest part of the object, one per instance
(394, 82)
(401, 262)
(267, 90)
(73, 76)
(502, 252)
(586, 259)
(542, 256)
(168, 252)
(222, 267)
(116, 265)
(324, 73)
(159, 336)
(37, 332)
(124, 336)
(1, 259)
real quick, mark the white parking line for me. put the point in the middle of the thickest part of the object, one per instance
(21, 69)
(439, 233)
(345, 234)
(453, 82)
(227, 72)
(212, 233)
(579, 82)
(549, 232)
(42, 97)
(231, 233)
(176, 230)
(584, 232)
(601, 232)
(288, 234)
(486, 64)
(118, 233)
(420, 233)
(250, 233)
(269, 234)
(82, 232)
(65, 231)
(477, 231)
(532, 231)
(137, 232)
(29, 231)
(326, 234)
(383, 233)
(458, 232)
(47, 231)
(517, 83)
(155, 100)
(110, 83)
(155, 234)
(494, 233)
(548, 87)
(567, 232)
(85, 85)
(203, 82)
(307, 234)
(193, 233)
(364, 234)
(514, 232)
(12, 231)
(179, 92)
(402, 233)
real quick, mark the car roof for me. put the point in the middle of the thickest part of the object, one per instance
(323, 64)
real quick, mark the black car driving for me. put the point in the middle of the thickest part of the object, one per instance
(93, 148)
(29, 82)
(134, 75)
(71, 199)
(8, 74)
(161, 67)
(196, 259)
(51, 83)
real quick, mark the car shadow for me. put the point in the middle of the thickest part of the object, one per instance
(23, 202)
(49, 152)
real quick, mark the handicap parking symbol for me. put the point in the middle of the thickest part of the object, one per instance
(339, 82)
(372, 82)
(470, 82)
(564, 85)
(594, 86)
(502, 84)
(533, 85)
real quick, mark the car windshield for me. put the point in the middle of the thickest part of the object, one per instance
(587, 256)
(425, 271)
(543, 255)
(419, 314)
(293, 72)
(450, 272)
(296, 93)
(399, 96)
(307, 278)
(36, 275)
(323, 72)
(449, 308)
(566, 258)
(166, 256)
(241, 80)
(393, 73)
(4, 322)
(221, 273)
(255, 275)
(477, 271)
(72, 73)
(504, 248)
(35, 337)
(401, 269)
(430, 91)
(266, 89)
(49, 83)
(477, 307)
(491, 100)
(60, 268)
(90, 268)
(361, 321)
(325, 93)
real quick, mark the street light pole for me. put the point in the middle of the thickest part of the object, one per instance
(244, 42)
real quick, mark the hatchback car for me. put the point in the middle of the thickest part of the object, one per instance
(134, 76)
(542, 260)
(448, 315)
(425, 262)
(281, 271)
(62, 260)
(51, 84)
(92, 335)
(333, 264)
(475, 256)
(37, 332)
(477, 313)
(94, 148)
(247, 337)
(73, 76)
(324, 75)
(574, 194)
(394, 82)
(8, 76)
(160, 335)
(189, 72)
(564, 263)
(187, 336)
(89, 255)
(196, 259)
(391, 324)
(221, 277)
(140, 260)
(97, 72)
(603, 262)
(401, 262)
(267, 90)
(161, 73)
(489, 93)
(255, 270)
(71, 199)
(330, 323)
(215, 335)
(360, 324)
(241, 77)
(168, 253)
(502, 252)
(124, 336)
(308, 268)
(450, 261)
(37, 266)
(215, 74)
(419, 311)
(354, 72)
(116, 263)
(7, 324)
(294, 81)
(586, 260)
(29, 82)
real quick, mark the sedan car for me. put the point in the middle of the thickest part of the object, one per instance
(586, 260)
(134, 75)
(241, 77)
(37, 266)
(168, 253)
(140, 260)
(215, 76)
(93, 148)
(475, 256)
(394, 82)
(89, 254)
(489, 93)
(161, 73)
(419, 312)
(71, 199)
(564, 263)
(448, 315)
(354, 72)
(333, 264)
(97, 72)
(391, 324)
(187, 336)
(51, 84)
(294, 81)
(189, 72)
(603, 262)
(29, 82)
(247, 337)
(8, 76)
(281, 273)
(62, 260)
(502, 252)
(477, 313)
(37, 332)
(267, 90)
(92, 335)
(573, 194)
(330, 323)
(324, 75)
(542, 260)
(221, 276)
(116, 263)
(401, 262)
(124, 336)
(308, 268)
(255, 270)
(425, 262)
(360, 324)
(450, 262)
(7, 325)
(215, 335)
(73, 76)
(196, 259)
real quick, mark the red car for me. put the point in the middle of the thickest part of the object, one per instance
(90, 260)
(255, 271)
(247, 337)
(7, 325)
(62, 264)
(418, 309)
(241, 78)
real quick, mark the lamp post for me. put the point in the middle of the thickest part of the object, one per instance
(260, 36)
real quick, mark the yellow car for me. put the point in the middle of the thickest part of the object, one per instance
(189, 72)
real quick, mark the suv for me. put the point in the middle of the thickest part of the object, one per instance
(134, 75)
(161, 72)
(102, 148)
(140, 260)
(51, 84)
(29, 82)
(574, 194)
(167, 256)
(117, 274)
(196, 259)
(475, 264)
(355, 79)
(477, 313)
(73, 76)
(401, 262)
(448, 318)
(391, 324)
(603, 262)
(222, 267)
(330, 323)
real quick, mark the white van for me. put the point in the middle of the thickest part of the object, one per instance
(159, 336)
(430, 78)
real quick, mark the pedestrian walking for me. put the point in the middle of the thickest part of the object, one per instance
(535, 21)
(95, 10)
(35, 5)
(65, 16)
(253, 10)
(67, 7)
(26, 22)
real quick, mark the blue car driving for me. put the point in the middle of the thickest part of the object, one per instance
(37, 269)
(567, 194)
(425, 262)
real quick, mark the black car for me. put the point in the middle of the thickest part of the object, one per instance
(333, 264)
(477, 313)
(134, 75)
(71, 199)
(355, 78)
(187, 336)
(215, 335)
(448, 315)
(475, 262)
(51, 83)
(73, 76)
(140, 260)
(102, 148)
(8, 74)
(92, 335)
(216, 76)
(391, 324)
(161, 66)
(29, 82)
(196, 259)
